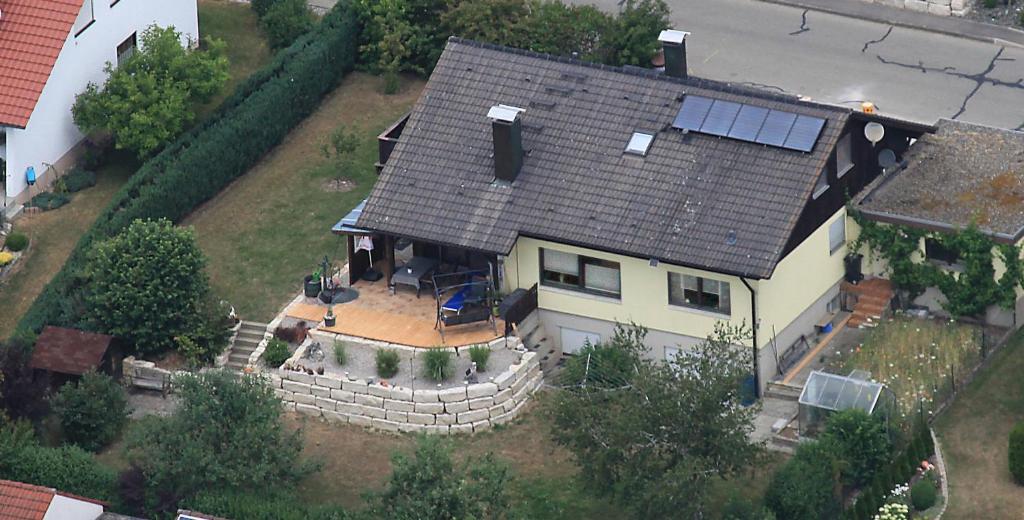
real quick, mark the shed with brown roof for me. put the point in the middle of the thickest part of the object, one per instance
(73, 352)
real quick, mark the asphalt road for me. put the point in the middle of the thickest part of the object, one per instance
(907, 73)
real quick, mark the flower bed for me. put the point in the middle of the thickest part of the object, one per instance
(920, 360)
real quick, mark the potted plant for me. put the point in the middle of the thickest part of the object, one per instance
(330, 319)
(311, 287)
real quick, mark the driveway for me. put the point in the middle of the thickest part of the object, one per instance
(908, 73)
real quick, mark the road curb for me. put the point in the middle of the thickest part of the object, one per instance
(876, 13)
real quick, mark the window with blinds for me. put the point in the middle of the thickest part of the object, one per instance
(698, 293)
(580, 273)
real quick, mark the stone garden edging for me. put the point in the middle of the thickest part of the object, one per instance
(466, 408)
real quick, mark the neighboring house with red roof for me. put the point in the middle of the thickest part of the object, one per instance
(49, 51)
(28, 502)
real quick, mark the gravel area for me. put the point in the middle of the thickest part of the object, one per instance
(1004, 14)
(361, 363)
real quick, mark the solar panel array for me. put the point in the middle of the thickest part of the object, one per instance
(749, 123)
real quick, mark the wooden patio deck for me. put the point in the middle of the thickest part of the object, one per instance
(400, 318)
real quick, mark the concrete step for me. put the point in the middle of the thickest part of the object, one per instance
(247, 342)
(250, 334)
(783, 391)
(238, 358)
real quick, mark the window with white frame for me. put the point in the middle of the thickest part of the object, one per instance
(844, 155)
(836, 234)
(85, 18)
(698, 293)
(580, 273)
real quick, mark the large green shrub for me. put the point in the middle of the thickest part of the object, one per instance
(862, 442)
(285, 21)
(67, 468)
(92, 412)
(1015, 453)
(260, 113)
(437, 365)
(16, 241)
(147, 285)
(387, 362)
(79, 180)
(923, 494)
(22, 391)
(805, 487)
(276, 353)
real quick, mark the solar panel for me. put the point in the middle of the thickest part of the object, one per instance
(775, 128)
(804, 133)
(691, 114)
(720, 118)
(748, 123)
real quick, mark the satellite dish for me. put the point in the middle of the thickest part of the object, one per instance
(874, 132)
(887, 158)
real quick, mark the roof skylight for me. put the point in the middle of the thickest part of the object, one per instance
(639, 143)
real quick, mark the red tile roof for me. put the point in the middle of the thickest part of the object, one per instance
(69, 351)
(24, 501)
(32, 33)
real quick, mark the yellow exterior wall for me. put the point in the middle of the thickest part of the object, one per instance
(644, 297)
(800, 279)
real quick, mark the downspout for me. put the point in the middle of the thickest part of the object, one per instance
(753, 329)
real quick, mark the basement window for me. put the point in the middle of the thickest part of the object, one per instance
(639, 143)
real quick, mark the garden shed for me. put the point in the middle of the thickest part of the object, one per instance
(67, 354)
(826, 393)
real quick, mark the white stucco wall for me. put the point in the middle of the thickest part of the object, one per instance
(64, 508)
(51, 133)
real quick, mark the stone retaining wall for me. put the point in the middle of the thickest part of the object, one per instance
(462, 409)
(938, 7)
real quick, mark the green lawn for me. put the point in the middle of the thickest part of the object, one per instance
(974, 432)
(53, 235)
(247, 49)
(267, 230)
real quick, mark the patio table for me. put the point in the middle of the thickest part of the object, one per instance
(413, 273)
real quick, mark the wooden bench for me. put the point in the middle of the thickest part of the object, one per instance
(149, 379)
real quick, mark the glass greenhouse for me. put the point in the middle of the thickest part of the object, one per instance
(825, 393)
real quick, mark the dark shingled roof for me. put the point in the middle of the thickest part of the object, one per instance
(961, 174)
(69, 351)
(679, 204)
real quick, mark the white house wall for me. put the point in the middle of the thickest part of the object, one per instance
(51, 133)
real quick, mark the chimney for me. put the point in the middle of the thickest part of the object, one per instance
(673, 43)
(507, 127)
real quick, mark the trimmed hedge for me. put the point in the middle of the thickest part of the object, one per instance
(48, 200)
(257, 117)
(261, 507)
(1015, 453)
(923, 494)
(67, 468)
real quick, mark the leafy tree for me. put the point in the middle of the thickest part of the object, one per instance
(22, 394)
(227, 435)
(633, 38)
(862, 443)
(92, 412)
(654, 435)
(147, 285)
(430, 485)
(805, 488)
(413, 23)
(251, 506)
(560, 29)
(286, 20)
(149, 99)
(493, 21)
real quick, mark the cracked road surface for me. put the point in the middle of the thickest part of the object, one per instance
(907, 73)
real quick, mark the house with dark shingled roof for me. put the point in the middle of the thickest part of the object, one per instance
(623, 195)
(49, 51)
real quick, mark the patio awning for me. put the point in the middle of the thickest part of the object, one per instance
(837, 393)
(347, 225)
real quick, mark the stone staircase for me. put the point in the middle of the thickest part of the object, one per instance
(780, 407)
(535, 339)
(873, 297)
(248, 338)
